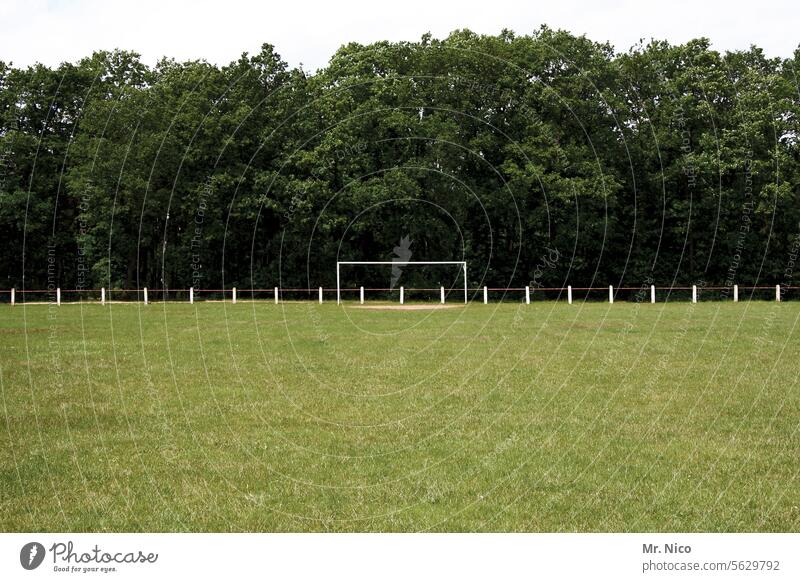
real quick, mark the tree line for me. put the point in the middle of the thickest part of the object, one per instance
(539, 159)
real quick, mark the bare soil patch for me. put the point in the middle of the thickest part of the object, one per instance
(406, 307)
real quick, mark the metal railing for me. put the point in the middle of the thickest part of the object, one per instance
(527, 294)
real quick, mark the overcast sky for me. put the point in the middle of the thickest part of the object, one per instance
(51, 31)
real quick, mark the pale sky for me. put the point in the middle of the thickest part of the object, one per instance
(52, 31)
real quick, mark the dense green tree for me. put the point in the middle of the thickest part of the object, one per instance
(544, 158)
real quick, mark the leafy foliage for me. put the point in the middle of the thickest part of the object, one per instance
(665, 163)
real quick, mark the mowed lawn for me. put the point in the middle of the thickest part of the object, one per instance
(307, 417)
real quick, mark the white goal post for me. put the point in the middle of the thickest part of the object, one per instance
(397, 263)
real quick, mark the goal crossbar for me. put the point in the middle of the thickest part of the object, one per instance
(399, 263)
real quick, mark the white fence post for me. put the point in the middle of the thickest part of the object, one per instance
(611, 294)
(735, 293)
(276, 295)
(402, 293)
(102, 295)
(652, 293)
(361, 296)
(777, 292)
(13, 296)
(145, 295)
(694, 293)
(58, 295)
(569, 294)
(234, 296)
(191, 294)
(527, 295)
(485, 295)
(320, 295)
(441, 295)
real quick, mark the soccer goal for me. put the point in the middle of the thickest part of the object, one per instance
(463, 265)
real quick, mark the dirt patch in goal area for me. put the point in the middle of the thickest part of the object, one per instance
(406, 307)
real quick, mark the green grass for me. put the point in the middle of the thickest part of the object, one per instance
(303, 417)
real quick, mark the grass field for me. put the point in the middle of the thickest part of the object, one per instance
(298, 417)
